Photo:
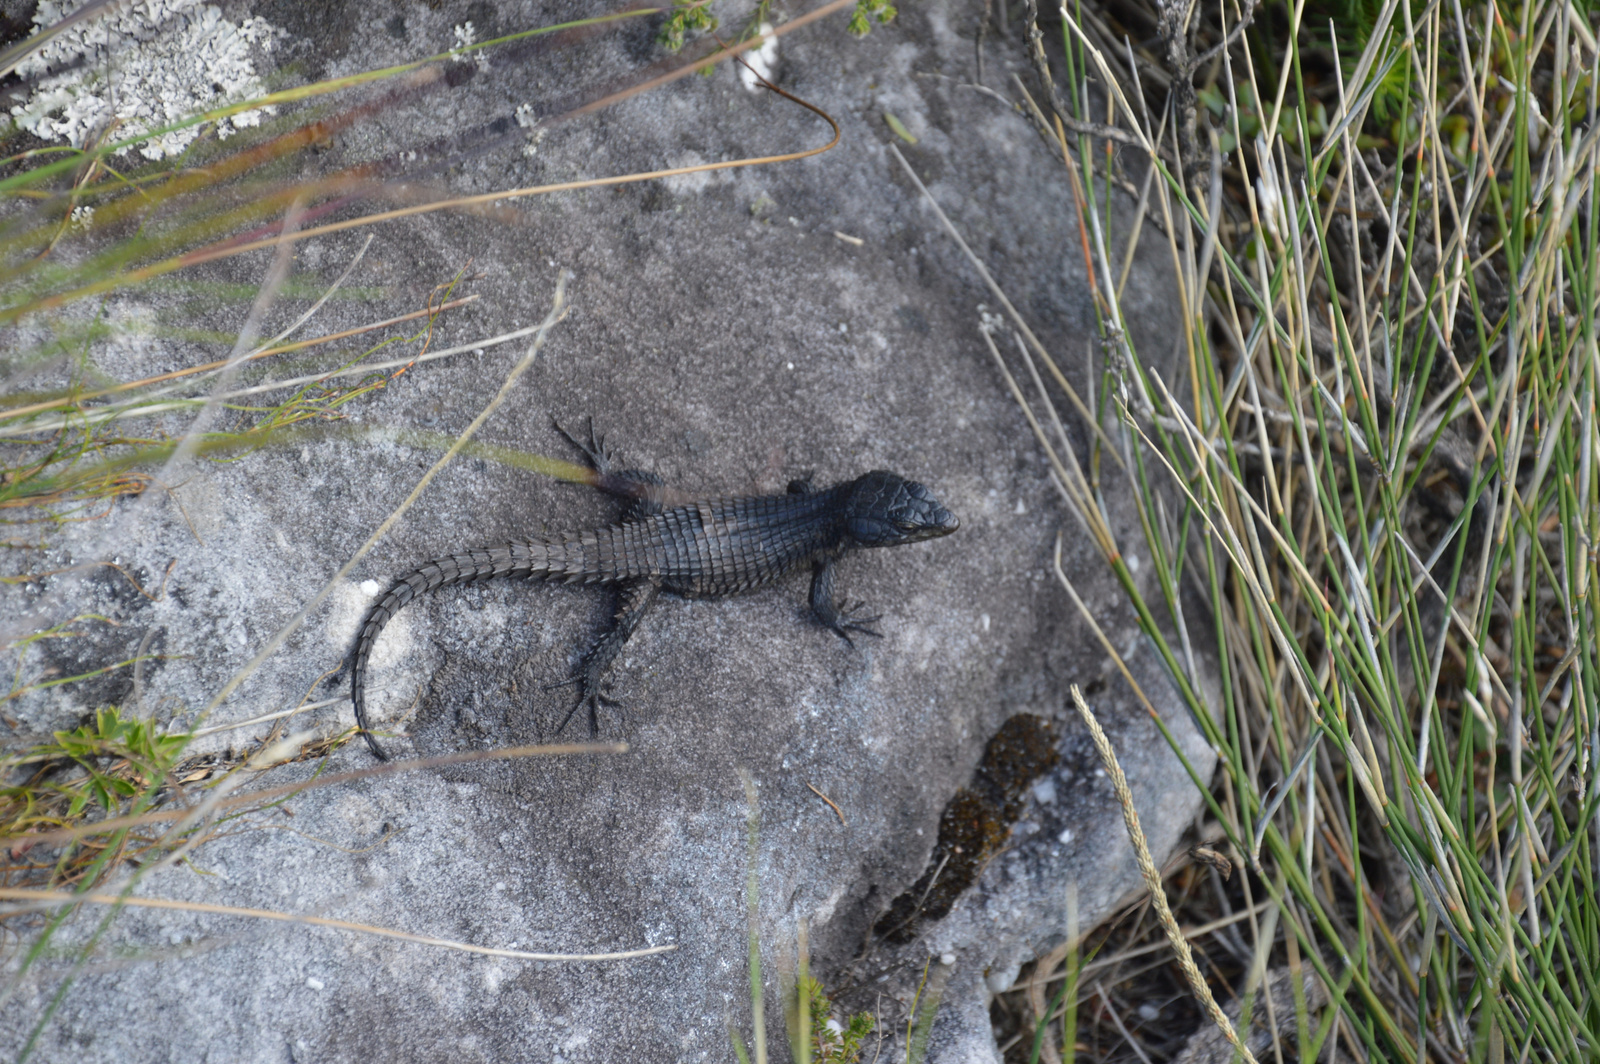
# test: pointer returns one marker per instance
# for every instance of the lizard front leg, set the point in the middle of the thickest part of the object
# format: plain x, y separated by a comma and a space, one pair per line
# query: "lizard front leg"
838, 618
633, 603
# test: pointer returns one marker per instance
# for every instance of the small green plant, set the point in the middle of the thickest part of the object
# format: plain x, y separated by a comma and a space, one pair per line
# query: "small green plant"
869, 11
686, 15
1250, 116
99, 768
117, 754
831, 1041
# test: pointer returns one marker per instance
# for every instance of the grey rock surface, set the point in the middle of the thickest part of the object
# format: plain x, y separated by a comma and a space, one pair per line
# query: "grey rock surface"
724, 336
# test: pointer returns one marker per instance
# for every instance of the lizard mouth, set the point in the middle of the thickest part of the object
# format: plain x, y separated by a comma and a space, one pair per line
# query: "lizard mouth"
939, 522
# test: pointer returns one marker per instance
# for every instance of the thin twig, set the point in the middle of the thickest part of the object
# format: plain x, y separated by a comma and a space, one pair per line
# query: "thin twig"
37, 900
831, 802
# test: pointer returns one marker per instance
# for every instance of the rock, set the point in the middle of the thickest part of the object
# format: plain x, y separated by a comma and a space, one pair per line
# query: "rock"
1269, 1022
729, 330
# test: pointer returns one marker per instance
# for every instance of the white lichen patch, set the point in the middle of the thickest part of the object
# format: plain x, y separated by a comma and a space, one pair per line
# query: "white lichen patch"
759, 63
140, 68
527, 118
466, 35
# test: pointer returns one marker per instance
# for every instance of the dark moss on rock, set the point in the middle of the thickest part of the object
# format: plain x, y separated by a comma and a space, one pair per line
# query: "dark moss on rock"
976, 823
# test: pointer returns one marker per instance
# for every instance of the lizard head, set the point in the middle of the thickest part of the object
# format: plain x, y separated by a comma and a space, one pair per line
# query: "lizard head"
885, 510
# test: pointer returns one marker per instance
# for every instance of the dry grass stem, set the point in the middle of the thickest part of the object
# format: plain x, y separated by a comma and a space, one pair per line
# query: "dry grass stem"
38, 900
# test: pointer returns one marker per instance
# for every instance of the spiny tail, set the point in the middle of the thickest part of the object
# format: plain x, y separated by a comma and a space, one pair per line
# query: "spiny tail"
529, 558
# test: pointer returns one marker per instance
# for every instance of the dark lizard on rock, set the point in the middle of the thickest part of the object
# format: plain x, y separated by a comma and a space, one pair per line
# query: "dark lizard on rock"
708, 549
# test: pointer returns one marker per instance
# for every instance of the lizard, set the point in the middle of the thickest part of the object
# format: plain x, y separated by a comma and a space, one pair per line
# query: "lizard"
710, 548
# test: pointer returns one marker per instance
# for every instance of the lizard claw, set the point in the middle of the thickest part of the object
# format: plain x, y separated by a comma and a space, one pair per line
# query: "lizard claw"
588, 695
595, 450
844, 629
583, 696
845, 623
568, 718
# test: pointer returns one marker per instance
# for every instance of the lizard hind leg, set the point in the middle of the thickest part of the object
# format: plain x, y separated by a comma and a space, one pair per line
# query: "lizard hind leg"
634, 602
634, 485
595, 452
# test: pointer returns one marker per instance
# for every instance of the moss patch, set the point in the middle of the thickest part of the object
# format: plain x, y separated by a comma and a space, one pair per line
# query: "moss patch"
976, 823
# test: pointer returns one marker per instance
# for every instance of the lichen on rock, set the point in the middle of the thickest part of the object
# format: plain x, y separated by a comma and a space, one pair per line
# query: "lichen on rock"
143, 67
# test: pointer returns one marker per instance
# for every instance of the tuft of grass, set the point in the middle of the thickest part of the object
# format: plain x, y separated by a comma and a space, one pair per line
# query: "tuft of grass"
815, 1036
1374, 463
98, 768
116, 765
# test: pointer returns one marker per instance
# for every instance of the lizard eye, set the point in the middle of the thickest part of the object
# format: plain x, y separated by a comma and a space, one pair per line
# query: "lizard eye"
907, 526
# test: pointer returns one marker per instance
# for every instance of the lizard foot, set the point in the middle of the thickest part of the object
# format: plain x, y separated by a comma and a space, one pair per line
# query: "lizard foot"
845, 621
595, 450
588, 695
